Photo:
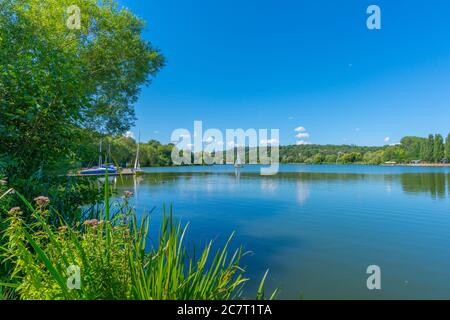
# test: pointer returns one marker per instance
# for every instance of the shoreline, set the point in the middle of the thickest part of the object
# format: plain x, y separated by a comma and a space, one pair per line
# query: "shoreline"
443, 165
418, 165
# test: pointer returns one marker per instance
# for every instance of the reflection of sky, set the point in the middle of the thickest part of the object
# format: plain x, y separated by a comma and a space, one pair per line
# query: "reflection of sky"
389, 187
313, 229
302, 191
268, 185
334, 169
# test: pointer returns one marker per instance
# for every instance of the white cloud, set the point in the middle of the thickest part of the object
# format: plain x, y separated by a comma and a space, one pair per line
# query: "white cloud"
300, 129
303, 135
302, 143
387, 139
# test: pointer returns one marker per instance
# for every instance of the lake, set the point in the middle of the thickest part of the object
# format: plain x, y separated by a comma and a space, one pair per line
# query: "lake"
316, 227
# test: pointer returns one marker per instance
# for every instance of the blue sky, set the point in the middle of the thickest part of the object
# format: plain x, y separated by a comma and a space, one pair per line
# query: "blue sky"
290, 63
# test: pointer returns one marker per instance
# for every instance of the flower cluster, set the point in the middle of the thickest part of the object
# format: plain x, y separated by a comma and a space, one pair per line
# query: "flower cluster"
128, 194
16, 211
93, 223
62, 229
42, 201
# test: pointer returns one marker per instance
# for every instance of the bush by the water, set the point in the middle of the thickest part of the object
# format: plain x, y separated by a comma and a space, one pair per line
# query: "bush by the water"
112, 255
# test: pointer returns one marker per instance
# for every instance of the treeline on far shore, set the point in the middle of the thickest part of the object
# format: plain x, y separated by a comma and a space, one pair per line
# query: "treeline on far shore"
432, 149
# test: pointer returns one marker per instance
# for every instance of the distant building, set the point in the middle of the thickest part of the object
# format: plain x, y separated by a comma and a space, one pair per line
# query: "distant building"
416, 161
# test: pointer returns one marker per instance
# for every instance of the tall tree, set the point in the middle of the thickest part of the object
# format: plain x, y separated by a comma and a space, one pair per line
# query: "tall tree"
438, 150
427, 149
413, 146
55, 80
447, 148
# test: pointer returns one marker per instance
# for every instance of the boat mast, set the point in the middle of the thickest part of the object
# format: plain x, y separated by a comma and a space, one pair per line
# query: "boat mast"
136, 162
108, 156
100, 154
238, 160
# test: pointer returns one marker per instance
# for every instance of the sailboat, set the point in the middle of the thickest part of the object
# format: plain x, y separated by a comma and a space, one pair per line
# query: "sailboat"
137, 166
238, 163
101, 169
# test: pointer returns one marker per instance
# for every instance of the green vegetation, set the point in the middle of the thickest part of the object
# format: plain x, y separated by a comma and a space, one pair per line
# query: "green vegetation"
60, 87
62, 91
431, 150
113, 259
123, 152
316, 154
154, 154
447, 147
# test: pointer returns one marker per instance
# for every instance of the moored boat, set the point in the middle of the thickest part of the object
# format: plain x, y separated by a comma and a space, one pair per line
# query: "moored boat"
137, 170
238, 163
100, 170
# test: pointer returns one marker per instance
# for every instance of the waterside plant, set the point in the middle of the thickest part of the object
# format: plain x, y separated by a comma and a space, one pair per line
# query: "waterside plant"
109, 257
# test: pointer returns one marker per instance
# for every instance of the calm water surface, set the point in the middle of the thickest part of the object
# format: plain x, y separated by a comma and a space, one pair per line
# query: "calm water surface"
317, 228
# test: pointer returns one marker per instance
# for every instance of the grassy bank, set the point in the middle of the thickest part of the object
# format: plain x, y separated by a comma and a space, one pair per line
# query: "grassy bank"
108, 257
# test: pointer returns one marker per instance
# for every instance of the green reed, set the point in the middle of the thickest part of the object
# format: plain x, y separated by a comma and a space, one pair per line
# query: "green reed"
114, 258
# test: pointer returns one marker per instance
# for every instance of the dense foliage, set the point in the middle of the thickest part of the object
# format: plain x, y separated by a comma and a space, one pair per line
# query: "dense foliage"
154, 154
59, 86
123, 150
62, 91
108, 258
427, 150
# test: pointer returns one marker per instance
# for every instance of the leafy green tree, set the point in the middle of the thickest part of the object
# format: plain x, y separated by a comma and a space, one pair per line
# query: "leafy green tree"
438, 150
395, 153
413, 146
55, 81
351, 157
374, 157
318, 158
330, 158
428, 149
447, 148
123, 150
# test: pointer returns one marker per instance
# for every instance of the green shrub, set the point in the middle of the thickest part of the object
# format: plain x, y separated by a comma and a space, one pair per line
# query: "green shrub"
112, 256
